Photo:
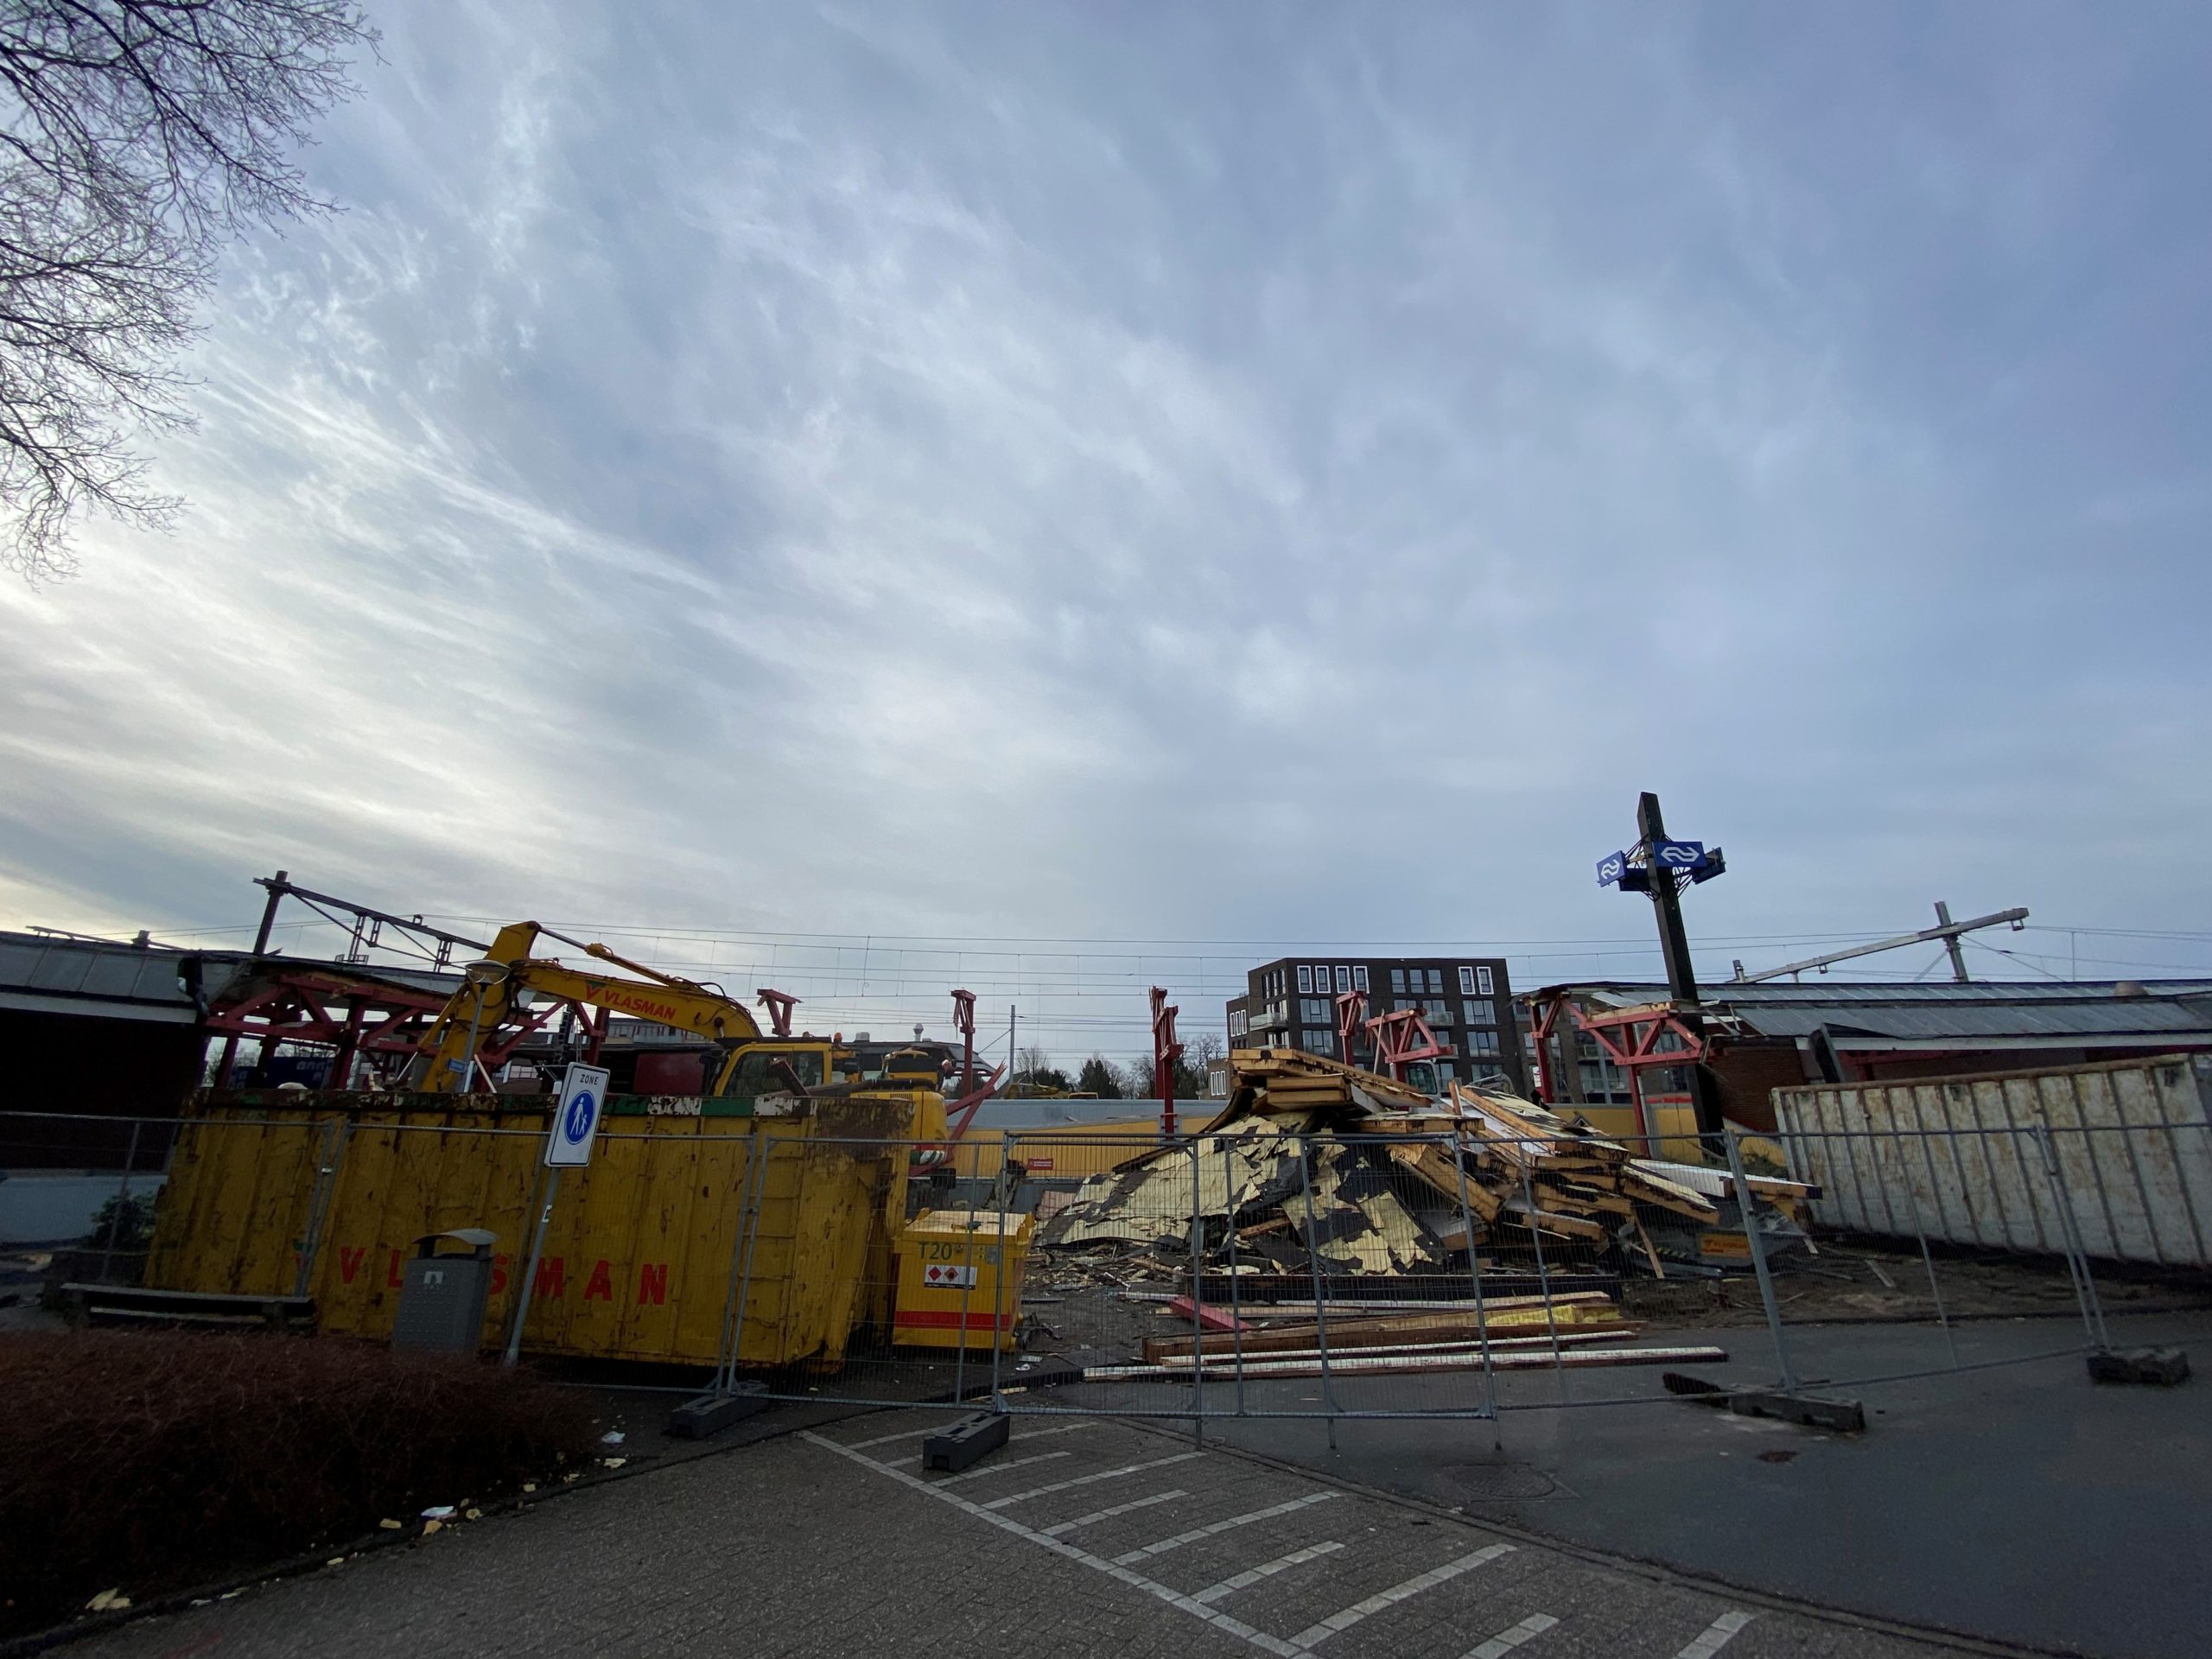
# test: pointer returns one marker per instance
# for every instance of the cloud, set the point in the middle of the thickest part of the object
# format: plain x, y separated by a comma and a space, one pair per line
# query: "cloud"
886, 473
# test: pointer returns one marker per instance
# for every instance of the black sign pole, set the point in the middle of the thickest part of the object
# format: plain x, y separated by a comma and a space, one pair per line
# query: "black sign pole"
1675, 947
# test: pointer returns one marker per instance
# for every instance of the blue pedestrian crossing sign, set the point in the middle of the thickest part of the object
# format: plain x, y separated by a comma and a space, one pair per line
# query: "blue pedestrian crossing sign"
576, 1111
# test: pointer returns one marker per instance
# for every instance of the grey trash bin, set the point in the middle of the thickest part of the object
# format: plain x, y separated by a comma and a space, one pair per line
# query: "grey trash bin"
442, 1297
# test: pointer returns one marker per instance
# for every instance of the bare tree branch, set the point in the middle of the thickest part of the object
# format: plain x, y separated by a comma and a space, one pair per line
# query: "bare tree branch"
138, 138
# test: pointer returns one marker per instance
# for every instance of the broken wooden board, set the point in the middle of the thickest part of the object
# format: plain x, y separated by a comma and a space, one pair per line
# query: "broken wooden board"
1603, 1318
1429, 1165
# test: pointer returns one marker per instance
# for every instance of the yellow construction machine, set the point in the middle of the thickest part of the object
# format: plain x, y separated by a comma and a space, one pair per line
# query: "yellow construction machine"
510, 991
958, 1273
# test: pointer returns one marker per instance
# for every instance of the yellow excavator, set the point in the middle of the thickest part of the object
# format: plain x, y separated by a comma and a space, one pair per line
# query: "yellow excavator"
503, 989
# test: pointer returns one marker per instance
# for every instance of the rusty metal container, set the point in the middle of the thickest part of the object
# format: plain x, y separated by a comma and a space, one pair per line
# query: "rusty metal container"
324, 1195
2118, 1152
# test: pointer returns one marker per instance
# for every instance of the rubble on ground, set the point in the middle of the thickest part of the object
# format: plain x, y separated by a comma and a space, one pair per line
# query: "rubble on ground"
1314, 1168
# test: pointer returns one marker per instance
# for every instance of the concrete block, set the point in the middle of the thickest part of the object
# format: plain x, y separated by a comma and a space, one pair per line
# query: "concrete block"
2157, 1367
966, 1442
1847, 1416
710, 1414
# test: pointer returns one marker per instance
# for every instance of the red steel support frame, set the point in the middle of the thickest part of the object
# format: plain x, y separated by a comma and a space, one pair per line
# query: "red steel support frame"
1166, 1051
1403, 1038
294, 1005
1351, 1015
963, 1021
960, 1111
1630, 1038
779, 1006
383, 1021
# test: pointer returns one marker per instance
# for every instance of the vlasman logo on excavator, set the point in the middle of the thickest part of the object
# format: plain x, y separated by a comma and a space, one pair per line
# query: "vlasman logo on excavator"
614, 996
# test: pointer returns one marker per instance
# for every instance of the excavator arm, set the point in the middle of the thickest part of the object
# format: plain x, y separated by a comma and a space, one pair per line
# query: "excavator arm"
493, 990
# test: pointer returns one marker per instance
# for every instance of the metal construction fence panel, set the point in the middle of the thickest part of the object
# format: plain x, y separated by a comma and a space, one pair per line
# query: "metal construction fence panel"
1268, 1270
84, 1187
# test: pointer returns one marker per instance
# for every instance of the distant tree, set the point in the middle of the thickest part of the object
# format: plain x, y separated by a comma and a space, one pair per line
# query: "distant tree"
1035, 1070
137, 138
1097, 1078
1189, 1080
1136, 1078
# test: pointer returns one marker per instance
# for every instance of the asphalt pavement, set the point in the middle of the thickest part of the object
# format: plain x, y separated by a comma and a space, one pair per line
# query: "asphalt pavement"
2020, 1503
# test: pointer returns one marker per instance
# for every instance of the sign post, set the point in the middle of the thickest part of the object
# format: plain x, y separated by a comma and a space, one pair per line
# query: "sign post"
576, 1112
1662, 866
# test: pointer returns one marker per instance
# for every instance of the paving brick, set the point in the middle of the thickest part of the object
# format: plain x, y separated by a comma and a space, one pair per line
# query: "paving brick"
791, 1546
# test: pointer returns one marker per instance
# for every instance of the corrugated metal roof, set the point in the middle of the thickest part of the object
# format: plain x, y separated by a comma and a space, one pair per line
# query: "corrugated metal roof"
107, 974
90, 969
1985, 1009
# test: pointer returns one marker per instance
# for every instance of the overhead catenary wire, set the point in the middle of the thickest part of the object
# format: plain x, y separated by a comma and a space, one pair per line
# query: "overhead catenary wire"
1083, 991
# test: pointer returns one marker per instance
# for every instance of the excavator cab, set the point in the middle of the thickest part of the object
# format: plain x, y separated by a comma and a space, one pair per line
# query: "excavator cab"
773, 1068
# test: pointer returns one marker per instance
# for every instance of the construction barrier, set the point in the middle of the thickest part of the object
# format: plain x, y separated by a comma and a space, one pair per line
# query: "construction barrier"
1462, 1258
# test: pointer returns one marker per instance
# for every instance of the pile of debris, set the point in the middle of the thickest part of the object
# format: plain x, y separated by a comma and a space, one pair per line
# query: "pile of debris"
1317, 1169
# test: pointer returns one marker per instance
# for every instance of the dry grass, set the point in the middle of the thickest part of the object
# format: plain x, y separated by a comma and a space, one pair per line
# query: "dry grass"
150, 1461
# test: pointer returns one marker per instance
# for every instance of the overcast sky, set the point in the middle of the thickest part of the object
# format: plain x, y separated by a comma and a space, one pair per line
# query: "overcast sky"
1218, 474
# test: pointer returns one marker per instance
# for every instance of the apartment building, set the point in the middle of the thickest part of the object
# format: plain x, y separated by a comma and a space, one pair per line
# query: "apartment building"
1291, 1003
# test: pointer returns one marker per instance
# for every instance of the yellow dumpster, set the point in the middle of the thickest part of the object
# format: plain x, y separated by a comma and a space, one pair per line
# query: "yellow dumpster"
955, 1290
649, 1250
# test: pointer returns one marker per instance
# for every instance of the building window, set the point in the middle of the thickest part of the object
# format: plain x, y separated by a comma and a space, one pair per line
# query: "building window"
1305, 979
1482, 1013
1481, 1042
1344, 979
1482, 982
1359, 977
1439, 1012
1320, 1042
1436, 982
1313, 1011
1398, 979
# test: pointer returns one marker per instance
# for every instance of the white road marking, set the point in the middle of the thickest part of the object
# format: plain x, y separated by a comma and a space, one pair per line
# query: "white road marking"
1032, 1434
1234, 1522
1251, 1576
1505, 1641
1220, 1621
1716, 1636
902, 1435
1097, 1515
1336, 1624
1010, 1464
1087, 1480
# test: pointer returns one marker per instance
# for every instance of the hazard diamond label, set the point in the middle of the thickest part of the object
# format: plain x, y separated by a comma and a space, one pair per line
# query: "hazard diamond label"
945, 1275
